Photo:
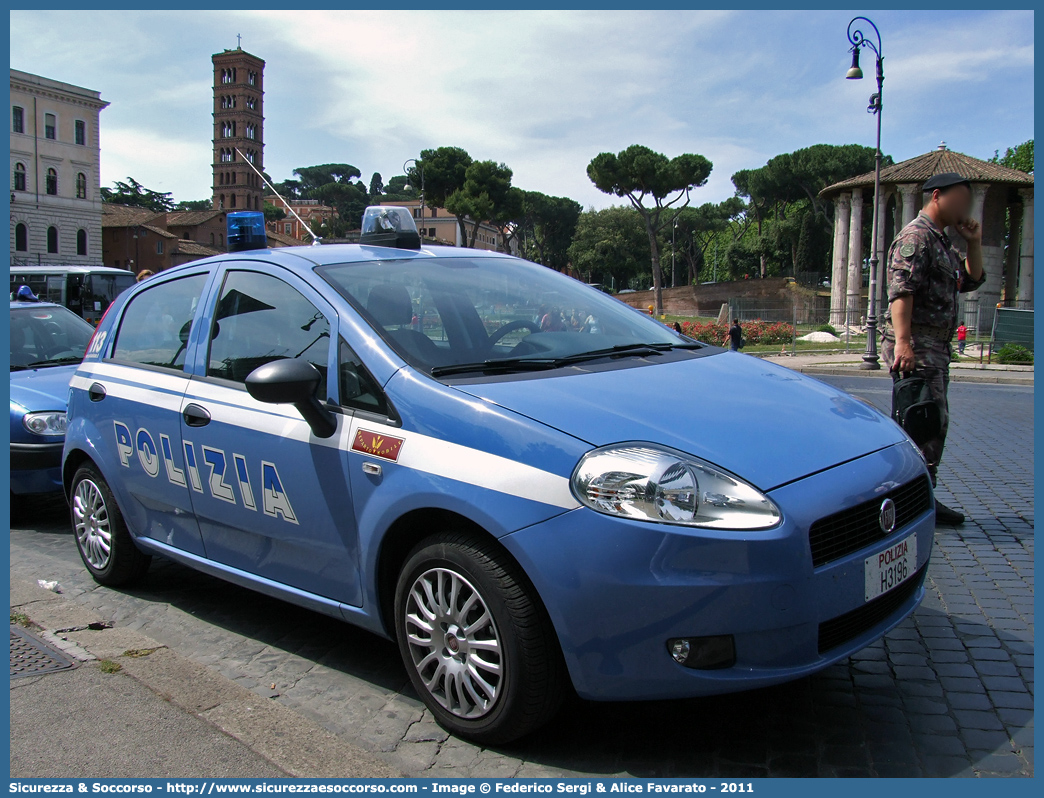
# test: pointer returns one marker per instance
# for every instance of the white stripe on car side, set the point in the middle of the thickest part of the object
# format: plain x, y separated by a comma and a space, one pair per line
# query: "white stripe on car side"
419, 452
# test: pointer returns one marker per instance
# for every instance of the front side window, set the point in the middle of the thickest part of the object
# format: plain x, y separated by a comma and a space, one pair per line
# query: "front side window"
81, 131
19, 177
50, 126
17, 119
52, 181
359, 390
155, 326
259, 318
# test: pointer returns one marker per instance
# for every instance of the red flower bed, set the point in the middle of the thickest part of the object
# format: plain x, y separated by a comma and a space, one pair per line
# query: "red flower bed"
755, 331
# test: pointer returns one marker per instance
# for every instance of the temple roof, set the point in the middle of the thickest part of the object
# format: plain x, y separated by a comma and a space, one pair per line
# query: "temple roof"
919, 169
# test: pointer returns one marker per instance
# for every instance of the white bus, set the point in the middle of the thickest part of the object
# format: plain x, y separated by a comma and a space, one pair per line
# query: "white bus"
85, 290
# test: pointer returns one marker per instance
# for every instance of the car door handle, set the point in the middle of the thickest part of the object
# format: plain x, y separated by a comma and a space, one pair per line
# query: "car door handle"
196, 416
96, 392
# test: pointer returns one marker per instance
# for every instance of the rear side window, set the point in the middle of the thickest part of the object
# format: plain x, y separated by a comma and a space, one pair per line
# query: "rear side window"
259, 319
155, 326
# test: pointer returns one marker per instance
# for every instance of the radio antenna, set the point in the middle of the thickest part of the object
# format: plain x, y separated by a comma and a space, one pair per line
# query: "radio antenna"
316, 240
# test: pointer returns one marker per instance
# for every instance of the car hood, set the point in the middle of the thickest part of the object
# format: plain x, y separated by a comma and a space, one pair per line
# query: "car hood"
765, 423
42, 389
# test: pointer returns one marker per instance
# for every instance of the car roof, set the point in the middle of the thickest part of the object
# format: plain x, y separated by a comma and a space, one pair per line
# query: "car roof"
16, 304
308, 257
69, 269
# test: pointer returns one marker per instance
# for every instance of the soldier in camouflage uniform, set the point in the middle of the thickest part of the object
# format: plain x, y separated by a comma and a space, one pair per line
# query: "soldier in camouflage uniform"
925, 275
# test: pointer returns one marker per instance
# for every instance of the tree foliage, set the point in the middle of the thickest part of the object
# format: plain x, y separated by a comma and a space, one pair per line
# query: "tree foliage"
1018, 157
486, 195
550, 224
444, 171
195, 205
135, 194
652, 183
273, 213
376, 185
610, 247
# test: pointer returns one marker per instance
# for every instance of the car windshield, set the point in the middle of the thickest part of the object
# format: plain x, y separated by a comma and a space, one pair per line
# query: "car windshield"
449, 315
47, 336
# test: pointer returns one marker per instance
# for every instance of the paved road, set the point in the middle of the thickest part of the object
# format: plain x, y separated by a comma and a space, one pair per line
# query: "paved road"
948, 693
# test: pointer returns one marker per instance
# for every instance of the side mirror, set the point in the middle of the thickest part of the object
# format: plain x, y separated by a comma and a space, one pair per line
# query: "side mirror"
293, 382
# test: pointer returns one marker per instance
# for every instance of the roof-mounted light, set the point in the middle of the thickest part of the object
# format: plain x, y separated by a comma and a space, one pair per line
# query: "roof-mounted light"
389, 226
245, 230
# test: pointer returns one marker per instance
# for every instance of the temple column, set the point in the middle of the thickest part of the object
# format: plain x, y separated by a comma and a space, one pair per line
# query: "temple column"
1025, 293
853, 294
839, 270
908, 192
973, 302
1011, 254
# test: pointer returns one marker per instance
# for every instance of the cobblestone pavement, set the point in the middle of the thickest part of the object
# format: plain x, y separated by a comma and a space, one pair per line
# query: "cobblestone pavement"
948, 693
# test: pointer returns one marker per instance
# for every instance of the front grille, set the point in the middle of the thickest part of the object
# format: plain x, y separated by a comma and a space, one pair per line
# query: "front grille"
849, 626
857, 527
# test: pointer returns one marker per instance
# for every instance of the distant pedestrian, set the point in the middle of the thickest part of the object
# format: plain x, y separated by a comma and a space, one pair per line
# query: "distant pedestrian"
734, 338
144, 275
962, 338
678, 328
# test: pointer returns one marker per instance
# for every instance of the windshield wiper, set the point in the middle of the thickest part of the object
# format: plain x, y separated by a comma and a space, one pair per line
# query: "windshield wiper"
541, 364
636, 350
58, 361
494, 366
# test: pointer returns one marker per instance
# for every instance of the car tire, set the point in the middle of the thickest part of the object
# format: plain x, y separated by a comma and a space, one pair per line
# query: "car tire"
491, 681
102, 537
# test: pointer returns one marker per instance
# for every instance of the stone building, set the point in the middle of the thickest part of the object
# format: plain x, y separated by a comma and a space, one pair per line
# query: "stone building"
440, 226
138, 238
1002, 204
56, 206
238, 130
313, 211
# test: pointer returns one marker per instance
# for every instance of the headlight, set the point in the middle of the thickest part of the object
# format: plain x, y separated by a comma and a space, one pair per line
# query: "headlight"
649, 483
51, 423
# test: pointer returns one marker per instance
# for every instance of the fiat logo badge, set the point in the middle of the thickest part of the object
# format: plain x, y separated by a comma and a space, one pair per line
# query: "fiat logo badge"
886, 518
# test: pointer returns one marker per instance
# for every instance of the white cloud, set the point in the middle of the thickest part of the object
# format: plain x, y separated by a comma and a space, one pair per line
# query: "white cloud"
543, 91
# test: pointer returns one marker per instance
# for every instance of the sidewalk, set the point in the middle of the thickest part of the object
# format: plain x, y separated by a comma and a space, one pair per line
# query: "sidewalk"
130, 707
849, 364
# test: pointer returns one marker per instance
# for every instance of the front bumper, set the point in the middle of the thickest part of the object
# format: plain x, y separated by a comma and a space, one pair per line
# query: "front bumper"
36, 467
617, 590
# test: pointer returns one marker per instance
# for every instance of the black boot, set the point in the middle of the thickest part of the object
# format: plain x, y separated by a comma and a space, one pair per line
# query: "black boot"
945, 515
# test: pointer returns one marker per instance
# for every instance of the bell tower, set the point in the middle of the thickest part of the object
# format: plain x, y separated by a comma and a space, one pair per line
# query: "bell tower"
238, 125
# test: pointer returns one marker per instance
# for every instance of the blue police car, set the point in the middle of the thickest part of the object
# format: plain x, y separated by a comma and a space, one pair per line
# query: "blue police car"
47, 344
524, 482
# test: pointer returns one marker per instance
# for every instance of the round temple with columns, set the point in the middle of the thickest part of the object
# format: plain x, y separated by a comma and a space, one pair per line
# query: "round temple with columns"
1002, 204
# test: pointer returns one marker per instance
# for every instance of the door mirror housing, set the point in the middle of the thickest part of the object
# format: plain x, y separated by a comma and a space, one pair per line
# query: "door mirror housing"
293, 382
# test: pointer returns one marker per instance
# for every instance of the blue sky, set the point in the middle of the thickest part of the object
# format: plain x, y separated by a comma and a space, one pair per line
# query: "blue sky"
543, 91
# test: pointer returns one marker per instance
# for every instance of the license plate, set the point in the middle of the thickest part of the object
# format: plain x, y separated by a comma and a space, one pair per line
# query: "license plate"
890, 567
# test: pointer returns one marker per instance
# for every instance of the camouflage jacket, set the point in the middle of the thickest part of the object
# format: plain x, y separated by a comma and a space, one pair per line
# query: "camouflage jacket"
924, 264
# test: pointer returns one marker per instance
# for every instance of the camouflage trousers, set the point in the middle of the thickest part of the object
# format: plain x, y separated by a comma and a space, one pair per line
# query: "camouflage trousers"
932, 364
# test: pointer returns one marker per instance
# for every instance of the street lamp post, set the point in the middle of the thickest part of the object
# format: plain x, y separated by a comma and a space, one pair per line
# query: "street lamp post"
871, 362
420, 169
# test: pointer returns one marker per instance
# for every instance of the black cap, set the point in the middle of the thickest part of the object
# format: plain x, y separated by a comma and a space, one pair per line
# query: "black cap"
945, 180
